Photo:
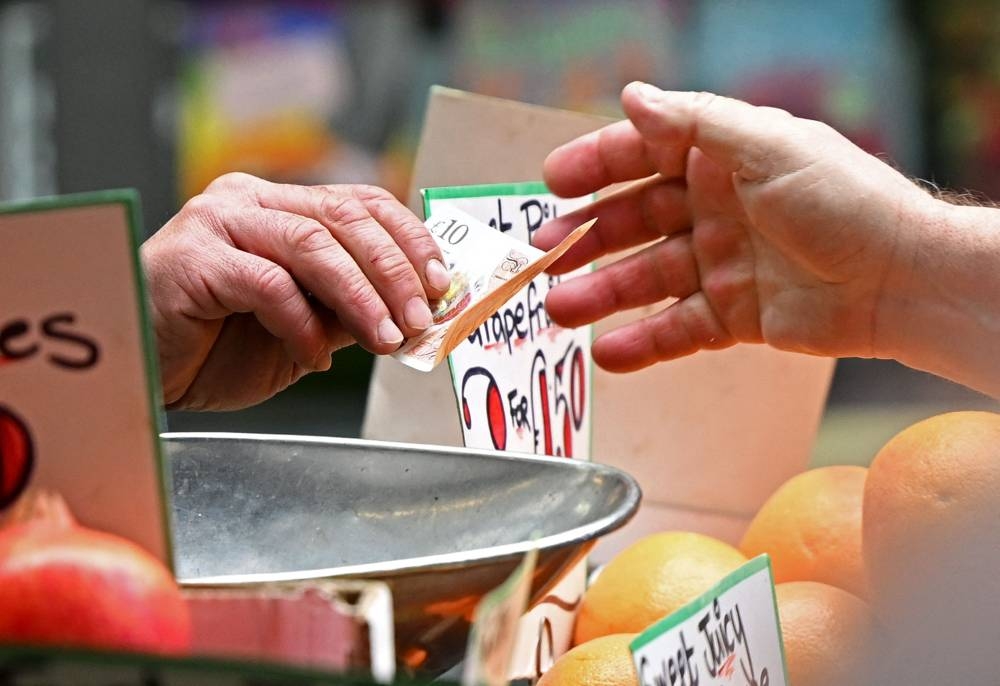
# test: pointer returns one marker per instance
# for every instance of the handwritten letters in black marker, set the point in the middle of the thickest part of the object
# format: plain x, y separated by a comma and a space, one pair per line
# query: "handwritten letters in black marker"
523, 381
57, 337
530, 213
723, 646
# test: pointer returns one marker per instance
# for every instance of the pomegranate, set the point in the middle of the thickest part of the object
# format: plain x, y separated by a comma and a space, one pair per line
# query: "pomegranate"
16, 456
64, 584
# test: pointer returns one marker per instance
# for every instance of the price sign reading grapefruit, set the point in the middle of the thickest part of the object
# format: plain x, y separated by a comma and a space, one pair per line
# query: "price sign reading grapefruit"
521, 382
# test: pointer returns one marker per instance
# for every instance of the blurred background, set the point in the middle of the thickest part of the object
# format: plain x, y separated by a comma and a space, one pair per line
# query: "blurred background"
165, 95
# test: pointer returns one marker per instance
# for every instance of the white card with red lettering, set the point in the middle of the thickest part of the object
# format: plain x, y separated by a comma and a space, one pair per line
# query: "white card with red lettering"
522, 383
79, 390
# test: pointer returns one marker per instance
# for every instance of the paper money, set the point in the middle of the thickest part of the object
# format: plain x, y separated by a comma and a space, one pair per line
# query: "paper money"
487, 268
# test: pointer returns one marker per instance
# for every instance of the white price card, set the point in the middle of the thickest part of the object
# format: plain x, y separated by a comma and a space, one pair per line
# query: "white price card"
79, 387
729, 635
522, 383
487, 269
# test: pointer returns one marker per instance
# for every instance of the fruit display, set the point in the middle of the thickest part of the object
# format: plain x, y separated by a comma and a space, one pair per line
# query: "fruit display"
811, 528
932, 546
603, 661
886, 574
66, 585
829, 634
934, 490
651, 579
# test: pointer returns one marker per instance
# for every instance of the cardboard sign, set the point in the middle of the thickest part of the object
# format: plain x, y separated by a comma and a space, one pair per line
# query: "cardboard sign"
522, 383
494, 628
487, 269
730, 635
79, 389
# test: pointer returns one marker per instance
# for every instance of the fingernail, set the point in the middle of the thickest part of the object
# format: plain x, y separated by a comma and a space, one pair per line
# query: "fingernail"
647, 91
437, 275
417, 314
389, 333
323, 362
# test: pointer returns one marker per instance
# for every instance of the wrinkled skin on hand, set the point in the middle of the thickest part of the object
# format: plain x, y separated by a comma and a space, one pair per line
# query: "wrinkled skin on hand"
255, 284
765, 228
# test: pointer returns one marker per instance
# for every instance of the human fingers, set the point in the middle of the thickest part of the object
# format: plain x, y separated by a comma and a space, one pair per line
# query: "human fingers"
221, 381
409, 233
385, 240
371, 224
683, 328
633, 216
662, 126
615, 153
337, 336
663, 270
376, 246
236, 281
322, 266
758, 143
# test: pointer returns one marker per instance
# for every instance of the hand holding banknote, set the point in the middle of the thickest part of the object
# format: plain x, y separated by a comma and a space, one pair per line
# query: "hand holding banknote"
488, 268
254, 284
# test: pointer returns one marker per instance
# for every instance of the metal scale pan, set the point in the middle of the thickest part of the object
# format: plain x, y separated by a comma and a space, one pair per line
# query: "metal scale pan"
442, 526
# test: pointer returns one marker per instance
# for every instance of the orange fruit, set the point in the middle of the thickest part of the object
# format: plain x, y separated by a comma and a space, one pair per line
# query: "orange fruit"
931, 538
811, 528
605, 661
650, 579
828, 634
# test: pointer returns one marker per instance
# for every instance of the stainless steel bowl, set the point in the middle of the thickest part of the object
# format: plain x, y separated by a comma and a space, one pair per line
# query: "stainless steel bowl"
442, 526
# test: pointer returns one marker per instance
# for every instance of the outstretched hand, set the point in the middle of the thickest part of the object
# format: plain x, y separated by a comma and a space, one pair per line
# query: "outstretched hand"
757, 227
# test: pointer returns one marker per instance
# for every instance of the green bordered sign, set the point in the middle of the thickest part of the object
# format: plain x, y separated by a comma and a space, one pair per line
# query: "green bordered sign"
79, 386
522, 383
730, 635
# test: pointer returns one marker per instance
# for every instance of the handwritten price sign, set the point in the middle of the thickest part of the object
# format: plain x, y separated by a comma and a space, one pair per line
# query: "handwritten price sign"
729, 635
79, 390
522, 383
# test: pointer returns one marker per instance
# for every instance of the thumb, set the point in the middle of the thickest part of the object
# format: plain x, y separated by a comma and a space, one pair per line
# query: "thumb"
755, 142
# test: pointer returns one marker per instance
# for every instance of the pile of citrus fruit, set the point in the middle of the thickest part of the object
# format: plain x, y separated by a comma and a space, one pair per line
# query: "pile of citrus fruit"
884, 575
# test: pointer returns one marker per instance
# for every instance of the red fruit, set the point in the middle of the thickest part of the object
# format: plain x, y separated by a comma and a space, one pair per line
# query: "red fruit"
63, 584
16, 457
